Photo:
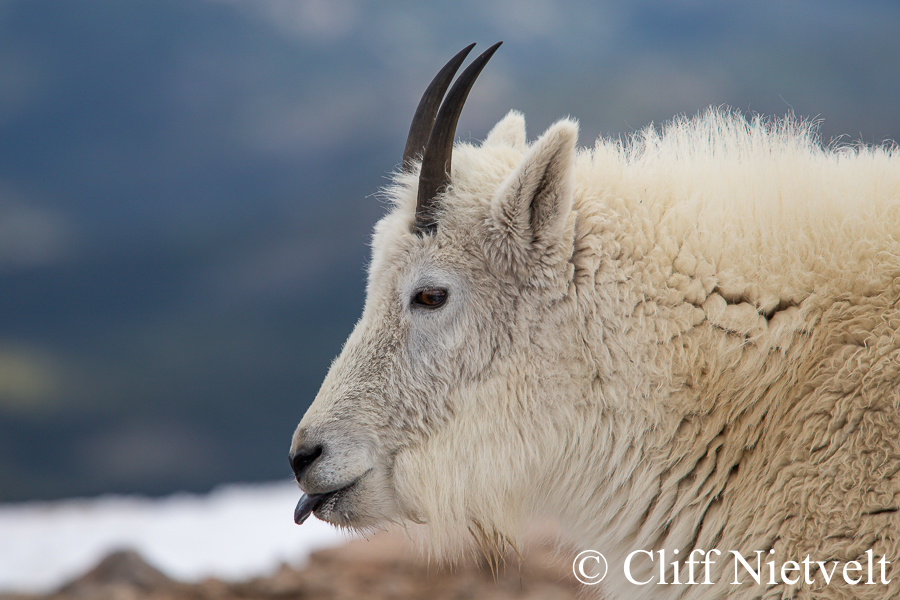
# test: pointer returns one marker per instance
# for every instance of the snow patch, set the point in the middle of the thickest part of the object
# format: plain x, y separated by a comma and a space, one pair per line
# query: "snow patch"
232, 533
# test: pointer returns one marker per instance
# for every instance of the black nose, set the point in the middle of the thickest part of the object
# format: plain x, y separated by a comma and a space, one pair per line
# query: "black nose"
303, 457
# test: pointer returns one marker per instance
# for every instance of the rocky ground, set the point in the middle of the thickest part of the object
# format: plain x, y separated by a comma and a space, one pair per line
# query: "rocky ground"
380, 568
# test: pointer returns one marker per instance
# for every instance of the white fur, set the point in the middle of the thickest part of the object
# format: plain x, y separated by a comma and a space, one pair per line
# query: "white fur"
688, 339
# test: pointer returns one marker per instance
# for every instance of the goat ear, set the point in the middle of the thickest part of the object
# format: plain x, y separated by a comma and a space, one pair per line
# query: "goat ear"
530, 211
509, 131
529, 228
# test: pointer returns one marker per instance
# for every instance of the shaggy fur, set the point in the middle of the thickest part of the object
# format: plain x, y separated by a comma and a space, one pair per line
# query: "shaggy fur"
688, 339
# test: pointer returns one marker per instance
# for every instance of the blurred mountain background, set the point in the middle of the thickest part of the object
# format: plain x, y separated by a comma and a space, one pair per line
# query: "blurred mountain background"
187, 189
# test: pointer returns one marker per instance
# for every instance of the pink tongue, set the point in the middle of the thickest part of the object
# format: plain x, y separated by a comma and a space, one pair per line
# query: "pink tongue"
307, 504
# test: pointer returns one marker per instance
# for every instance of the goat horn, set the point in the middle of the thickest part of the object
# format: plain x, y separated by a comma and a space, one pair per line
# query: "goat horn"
436, 159
423, 120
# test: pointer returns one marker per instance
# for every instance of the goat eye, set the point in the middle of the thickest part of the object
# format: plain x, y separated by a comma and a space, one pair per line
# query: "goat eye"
430, 297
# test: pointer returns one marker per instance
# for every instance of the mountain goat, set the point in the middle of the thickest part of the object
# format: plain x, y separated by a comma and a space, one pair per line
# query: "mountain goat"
681, 344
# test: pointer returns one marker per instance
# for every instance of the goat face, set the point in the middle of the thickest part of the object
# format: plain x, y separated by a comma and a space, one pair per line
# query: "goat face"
428, 391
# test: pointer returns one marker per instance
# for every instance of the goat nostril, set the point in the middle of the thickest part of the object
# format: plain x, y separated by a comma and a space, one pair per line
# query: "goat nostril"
302, 458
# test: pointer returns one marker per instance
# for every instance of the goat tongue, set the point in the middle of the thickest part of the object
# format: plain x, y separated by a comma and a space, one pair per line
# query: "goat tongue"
308, 503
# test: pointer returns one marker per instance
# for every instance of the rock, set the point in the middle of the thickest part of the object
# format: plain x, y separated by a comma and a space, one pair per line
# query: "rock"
123, 568
383, 567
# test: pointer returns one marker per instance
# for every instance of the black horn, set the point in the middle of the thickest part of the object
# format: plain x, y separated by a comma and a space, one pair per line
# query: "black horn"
436, 159
423, 120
